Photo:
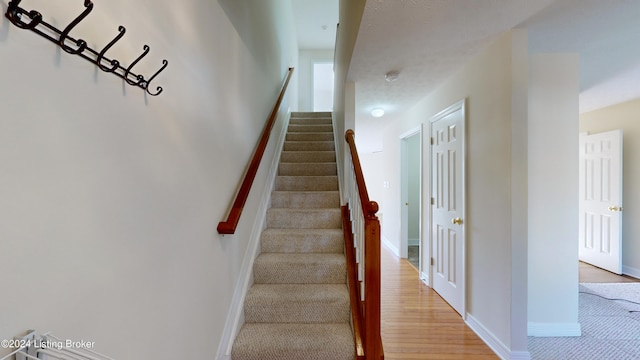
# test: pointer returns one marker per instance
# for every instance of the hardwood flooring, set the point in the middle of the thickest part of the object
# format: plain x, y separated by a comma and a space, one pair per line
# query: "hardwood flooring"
417, 323
592, 274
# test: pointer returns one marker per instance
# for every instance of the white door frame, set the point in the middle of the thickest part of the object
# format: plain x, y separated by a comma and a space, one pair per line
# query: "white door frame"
404, 192
458, 106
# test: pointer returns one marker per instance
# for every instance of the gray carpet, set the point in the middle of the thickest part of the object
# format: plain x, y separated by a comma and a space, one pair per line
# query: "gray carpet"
610, 328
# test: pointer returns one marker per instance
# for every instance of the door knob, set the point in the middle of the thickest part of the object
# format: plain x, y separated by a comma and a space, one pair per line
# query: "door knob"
457, 221
614, 208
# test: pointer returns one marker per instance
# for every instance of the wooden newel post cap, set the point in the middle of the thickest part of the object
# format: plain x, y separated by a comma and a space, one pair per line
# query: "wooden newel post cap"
348, 134
372, 208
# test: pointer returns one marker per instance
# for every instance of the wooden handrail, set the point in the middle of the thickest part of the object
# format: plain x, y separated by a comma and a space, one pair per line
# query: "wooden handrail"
366, 324
370, 208
229, 226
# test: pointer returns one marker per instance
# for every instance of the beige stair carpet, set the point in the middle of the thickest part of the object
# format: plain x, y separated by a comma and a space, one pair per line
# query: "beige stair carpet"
298, 307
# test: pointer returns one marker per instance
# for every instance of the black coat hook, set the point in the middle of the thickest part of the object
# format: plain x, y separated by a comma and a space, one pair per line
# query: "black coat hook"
14, 14
82, 45
139, 78
18, 15
159, 88
114, 63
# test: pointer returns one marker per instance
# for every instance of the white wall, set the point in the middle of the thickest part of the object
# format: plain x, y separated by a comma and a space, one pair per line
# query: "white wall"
110, 198
553, 195
624, 116
489, 172
306, 59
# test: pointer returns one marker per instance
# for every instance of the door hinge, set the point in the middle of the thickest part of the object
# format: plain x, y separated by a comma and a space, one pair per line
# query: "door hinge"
432, 141
433, 261
433, 201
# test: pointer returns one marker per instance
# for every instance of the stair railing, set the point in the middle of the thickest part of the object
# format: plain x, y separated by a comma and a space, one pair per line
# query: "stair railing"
229, 226
362, 249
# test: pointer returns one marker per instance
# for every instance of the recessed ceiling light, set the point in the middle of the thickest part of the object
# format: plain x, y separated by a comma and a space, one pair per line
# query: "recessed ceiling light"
377, 112
392, 76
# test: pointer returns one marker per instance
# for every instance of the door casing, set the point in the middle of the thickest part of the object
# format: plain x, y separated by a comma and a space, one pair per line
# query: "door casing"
459, 106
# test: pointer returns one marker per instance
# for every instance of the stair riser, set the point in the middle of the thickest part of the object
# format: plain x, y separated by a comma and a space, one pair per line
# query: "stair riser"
309, 146
309, 128
308, 156
291, 219
310, 121
329, 245
305, 200
309, 114
291, 272
327, 136
297, 304
307, 169
306, 183
294, 342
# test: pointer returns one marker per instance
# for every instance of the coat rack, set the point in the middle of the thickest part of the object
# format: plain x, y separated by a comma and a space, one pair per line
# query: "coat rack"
17, 16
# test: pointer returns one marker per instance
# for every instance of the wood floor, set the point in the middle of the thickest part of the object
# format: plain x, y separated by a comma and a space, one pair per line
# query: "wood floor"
417, 323
592, 274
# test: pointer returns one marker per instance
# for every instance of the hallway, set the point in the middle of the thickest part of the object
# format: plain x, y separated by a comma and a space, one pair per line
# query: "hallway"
417, 323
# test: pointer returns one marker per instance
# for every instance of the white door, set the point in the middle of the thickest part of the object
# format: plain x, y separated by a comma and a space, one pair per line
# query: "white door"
601, 200
447, 215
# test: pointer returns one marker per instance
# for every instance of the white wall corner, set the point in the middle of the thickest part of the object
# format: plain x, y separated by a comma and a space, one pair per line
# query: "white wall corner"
389, 245
493, 342
235, 317
629, 271
554, 329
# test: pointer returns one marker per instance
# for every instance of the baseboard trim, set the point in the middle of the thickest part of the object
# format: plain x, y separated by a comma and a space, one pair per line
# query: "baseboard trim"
390, 246
425, 279
520, 355
493, 342
413, 242
629, 271
235, 317
554, 329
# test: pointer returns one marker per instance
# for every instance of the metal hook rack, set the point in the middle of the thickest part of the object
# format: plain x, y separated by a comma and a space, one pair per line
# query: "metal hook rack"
18, 16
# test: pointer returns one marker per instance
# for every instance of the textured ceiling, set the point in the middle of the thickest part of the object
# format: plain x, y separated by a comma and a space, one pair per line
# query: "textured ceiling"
428, 40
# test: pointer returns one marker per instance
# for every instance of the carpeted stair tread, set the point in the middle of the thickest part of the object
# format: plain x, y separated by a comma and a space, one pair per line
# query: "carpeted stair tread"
296, 268
311, 114
305, 199
304, 136
298, 307
307, 169
306, 183
304, 218
309, 146
310, 128
308, 156
310, 121
297, 303
294, 342
302, 241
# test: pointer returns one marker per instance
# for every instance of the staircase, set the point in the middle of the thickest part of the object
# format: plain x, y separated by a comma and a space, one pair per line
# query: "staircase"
298, 307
